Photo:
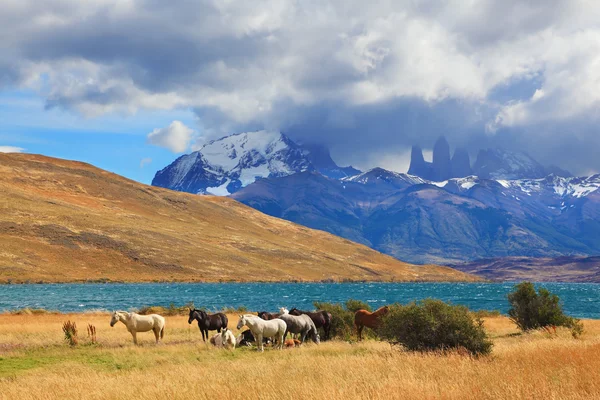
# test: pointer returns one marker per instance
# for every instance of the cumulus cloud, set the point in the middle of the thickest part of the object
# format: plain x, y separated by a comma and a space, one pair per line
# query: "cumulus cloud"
145, 161
286, 64
175, 137
11, 149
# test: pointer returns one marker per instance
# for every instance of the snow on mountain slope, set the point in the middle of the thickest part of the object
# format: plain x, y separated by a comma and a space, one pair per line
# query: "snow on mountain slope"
377, 175
223, 166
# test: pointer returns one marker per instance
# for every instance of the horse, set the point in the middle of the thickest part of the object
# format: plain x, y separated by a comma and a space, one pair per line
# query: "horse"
228, 339
291, 343
364, 318
269, 316
140, 323
322, 319
216, 340
301, 324
260, 329
246, 338
207, 322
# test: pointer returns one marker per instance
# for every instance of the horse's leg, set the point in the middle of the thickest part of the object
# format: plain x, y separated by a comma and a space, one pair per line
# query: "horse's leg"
156, 331
134, 334
359, 332
203, 338
285, 334
304, 333
259, 338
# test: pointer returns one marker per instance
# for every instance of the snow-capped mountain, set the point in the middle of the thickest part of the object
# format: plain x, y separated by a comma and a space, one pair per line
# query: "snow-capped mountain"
224, 166
459, 219
380, 176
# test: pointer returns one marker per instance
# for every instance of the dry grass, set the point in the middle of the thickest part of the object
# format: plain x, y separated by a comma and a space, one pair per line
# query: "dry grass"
36, 364
65, 221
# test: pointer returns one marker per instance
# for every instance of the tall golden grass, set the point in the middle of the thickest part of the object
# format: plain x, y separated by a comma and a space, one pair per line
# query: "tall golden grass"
35, 363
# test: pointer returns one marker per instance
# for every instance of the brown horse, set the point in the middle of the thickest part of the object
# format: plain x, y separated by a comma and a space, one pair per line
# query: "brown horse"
364, 318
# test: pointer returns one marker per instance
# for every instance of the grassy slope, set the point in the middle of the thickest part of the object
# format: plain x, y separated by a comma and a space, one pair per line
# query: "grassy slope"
64, 221
35, 364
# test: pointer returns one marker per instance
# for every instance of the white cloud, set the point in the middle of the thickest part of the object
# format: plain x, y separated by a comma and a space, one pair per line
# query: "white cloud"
243, 60
175, 137
11, 149
145, 161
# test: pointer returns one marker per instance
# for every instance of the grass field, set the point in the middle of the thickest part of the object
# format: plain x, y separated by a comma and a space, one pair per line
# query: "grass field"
35, 363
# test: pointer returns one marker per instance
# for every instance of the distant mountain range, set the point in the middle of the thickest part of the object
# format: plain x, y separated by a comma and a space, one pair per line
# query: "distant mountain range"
505, 204
490, 163
226, 165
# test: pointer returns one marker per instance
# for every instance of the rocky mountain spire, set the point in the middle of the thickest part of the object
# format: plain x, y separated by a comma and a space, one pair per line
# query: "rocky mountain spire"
418, 165
442, 167
461, 164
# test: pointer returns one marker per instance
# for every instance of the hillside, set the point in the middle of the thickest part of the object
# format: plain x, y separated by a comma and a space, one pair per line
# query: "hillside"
65, 221
543, 269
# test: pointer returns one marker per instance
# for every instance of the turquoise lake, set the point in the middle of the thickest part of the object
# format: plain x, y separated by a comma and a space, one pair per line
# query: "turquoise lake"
580, 300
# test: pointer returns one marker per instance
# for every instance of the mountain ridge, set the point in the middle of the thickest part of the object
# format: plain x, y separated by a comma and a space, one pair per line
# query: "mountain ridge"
67, 221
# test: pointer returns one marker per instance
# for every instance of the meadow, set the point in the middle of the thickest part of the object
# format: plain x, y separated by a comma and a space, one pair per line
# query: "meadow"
36, 363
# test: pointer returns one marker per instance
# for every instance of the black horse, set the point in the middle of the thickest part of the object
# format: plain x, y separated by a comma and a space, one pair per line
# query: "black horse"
208, 322
322, 319
248, 339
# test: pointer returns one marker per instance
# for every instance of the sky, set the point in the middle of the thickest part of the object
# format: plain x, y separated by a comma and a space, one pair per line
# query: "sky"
129, 85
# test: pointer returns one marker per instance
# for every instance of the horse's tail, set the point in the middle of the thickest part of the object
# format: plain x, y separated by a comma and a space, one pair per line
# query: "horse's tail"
162, 332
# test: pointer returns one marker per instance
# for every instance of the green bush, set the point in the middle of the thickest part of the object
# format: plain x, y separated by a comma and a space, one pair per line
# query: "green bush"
434, 325
355, 305
542, 309
342, 318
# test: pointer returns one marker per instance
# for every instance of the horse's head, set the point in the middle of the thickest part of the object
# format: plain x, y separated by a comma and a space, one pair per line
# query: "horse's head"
241, 322
114, 319
294, 311
316, 338
263, 315
385, 310
192, 315
283, 310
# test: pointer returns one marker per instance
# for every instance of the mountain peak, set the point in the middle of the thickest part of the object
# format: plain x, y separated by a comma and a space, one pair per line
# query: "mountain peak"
225, 165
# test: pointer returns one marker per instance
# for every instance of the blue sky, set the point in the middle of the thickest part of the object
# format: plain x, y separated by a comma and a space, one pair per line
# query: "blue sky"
115, 82
113, 142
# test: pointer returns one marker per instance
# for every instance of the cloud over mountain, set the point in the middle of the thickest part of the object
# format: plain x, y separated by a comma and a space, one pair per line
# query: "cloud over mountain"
385, 75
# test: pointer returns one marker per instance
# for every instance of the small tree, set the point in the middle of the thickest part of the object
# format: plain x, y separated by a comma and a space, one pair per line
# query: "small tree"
435, 325
542, 309
70, 331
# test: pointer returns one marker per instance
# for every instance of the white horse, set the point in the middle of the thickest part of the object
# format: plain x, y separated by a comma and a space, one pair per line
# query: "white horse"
216, 340
261, 328
228, 339
140, 323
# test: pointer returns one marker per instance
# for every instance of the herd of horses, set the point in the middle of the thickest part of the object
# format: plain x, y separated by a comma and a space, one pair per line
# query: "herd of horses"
263, 328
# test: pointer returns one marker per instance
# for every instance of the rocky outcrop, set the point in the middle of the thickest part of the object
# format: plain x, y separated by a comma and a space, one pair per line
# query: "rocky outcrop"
418, 165
461, 164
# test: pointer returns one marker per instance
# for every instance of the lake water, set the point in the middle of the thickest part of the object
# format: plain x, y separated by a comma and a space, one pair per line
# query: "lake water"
580, 300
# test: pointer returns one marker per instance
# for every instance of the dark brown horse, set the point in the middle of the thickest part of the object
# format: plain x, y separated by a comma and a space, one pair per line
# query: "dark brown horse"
371, 320
267, 315
207, 322
322, 319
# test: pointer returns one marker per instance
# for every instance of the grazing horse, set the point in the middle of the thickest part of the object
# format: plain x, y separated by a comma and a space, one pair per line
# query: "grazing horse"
228, 339
364, 318
207, 322
269, 316
301, 324
260, 329
322, 319
140, 323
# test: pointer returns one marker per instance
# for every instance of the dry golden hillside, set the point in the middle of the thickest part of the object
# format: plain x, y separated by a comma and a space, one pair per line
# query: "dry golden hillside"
65, 221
